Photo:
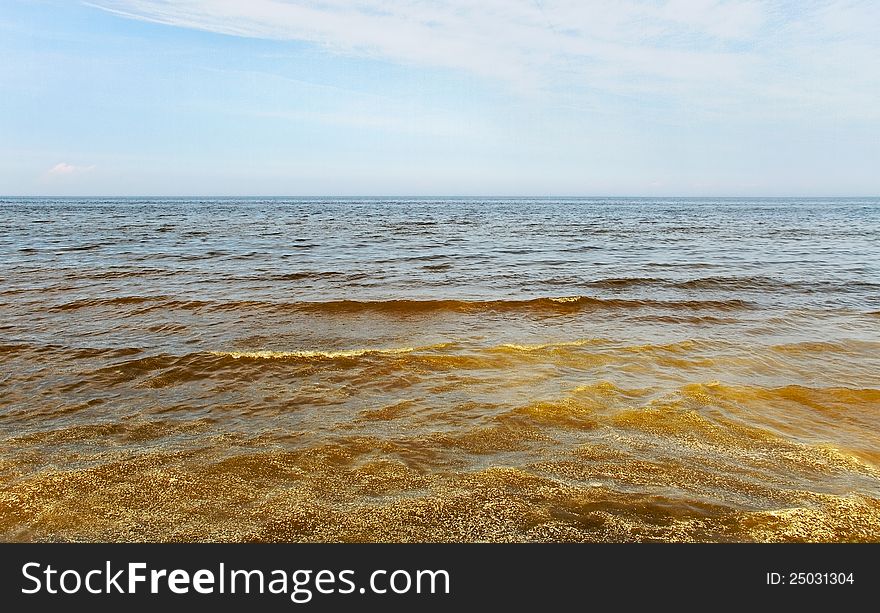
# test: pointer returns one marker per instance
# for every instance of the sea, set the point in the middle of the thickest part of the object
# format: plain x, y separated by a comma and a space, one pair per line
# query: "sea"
438, 370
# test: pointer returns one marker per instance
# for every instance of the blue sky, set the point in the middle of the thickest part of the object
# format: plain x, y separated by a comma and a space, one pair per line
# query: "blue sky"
448, 97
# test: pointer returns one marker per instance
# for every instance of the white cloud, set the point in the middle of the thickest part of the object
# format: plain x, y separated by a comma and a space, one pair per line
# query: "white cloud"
63, 168
731, 55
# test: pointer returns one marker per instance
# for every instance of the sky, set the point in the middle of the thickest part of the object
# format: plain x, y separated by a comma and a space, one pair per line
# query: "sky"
439, 98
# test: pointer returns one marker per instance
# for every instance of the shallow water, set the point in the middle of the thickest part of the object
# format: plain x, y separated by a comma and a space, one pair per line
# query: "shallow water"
440, 370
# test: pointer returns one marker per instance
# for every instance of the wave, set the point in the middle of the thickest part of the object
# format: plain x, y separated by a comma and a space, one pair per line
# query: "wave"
848, 346
456, 352
124, 274
84, 303
199, 364
166, 369
309, 274
733, 283
312, 355
821, 399
625, 282
549, 304
465, 354
687, 319
557, 345
559, 304
13, 348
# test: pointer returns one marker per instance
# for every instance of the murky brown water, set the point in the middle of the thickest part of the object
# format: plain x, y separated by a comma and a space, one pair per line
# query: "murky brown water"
440, 370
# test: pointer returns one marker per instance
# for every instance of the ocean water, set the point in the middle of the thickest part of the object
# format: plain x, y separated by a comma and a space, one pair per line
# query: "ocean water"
440, 370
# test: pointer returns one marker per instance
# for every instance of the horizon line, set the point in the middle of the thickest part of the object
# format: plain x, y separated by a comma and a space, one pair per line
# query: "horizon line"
424, 197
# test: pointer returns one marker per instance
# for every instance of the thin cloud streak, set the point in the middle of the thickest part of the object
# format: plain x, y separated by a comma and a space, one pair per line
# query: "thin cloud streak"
734, 56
